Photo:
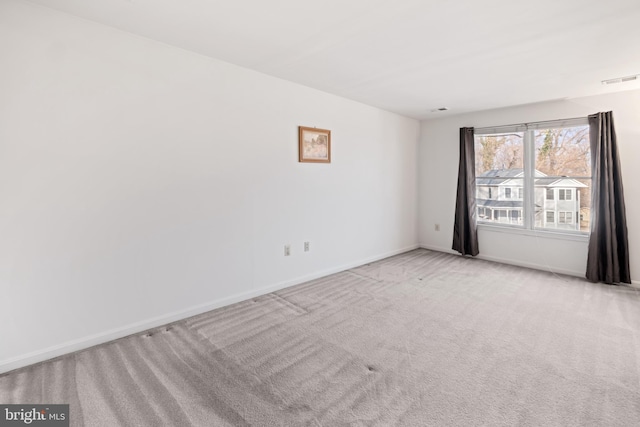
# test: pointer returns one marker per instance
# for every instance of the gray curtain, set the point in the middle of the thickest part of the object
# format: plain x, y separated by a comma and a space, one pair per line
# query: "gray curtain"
465, 233
608, 259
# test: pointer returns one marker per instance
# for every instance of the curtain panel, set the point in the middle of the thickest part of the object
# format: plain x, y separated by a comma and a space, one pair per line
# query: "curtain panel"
465, 230
608, 258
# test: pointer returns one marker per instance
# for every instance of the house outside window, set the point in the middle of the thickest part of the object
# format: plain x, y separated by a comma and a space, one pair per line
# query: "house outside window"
542, 173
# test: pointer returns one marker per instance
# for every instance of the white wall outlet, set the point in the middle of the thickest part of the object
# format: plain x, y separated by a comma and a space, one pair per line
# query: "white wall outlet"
437, 227
287, 250
307, 245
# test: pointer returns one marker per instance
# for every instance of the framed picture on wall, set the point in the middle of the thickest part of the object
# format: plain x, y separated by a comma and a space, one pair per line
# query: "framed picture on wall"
314, 145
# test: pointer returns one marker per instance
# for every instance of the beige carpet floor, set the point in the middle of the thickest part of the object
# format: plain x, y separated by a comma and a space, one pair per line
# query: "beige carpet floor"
419, 339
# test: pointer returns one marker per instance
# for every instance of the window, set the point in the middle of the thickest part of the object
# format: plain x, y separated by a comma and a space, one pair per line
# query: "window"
545, 170
550, 194
565, 217
564, 194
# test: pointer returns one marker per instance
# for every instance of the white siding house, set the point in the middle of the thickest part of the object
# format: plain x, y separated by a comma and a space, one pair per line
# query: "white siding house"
500, 195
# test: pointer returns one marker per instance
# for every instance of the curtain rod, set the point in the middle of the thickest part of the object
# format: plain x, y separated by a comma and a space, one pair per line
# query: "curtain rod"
530, 123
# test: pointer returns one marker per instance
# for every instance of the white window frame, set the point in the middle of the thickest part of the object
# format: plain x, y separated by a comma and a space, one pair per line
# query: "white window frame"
528, 223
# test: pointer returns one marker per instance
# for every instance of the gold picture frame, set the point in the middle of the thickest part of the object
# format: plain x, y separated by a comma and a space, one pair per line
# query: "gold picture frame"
314, 145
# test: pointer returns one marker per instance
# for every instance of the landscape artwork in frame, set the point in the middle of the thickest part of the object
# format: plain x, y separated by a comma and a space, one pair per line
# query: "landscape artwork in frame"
314, 145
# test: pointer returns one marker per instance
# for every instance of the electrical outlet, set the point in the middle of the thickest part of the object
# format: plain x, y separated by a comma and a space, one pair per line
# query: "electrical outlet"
437, 227
287, 250
306, 246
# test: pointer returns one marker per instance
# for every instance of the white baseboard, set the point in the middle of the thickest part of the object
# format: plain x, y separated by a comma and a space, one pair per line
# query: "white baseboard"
533, 266
634, 283
134, 328
439, 249
511, 262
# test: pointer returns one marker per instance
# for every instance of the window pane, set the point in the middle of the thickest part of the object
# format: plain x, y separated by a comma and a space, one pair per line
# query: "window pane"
563, 151
500, 178
561, 155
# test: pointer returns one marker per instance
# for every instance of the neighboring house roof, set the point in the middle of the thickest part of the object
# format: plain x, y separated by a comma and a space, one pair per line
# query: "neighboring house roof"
485, 203
498, 176
495, 177
492, 203
559, 182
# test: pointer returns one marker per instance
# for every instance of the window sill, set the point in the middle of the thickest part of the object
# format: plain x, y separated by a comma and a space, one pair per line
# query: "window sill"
577, 236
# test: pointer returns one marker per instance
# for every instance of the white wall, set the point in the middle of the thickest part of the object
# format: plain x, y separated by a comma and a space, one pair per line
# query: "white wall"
438, 170
140, 183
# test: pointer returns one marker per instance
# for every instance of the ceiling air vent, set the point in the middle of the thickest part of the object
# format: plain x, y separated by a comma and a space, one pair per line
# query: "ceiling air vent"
440, 109
621, 80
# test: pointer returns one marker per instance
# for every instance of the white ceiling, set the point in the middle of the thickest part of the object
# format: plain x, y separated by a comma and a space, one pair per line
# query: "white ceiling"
406, 56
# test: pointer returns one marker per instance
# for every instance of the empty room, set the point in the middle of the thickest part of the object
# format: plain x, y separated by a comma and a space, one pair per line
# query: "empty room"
336, 213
